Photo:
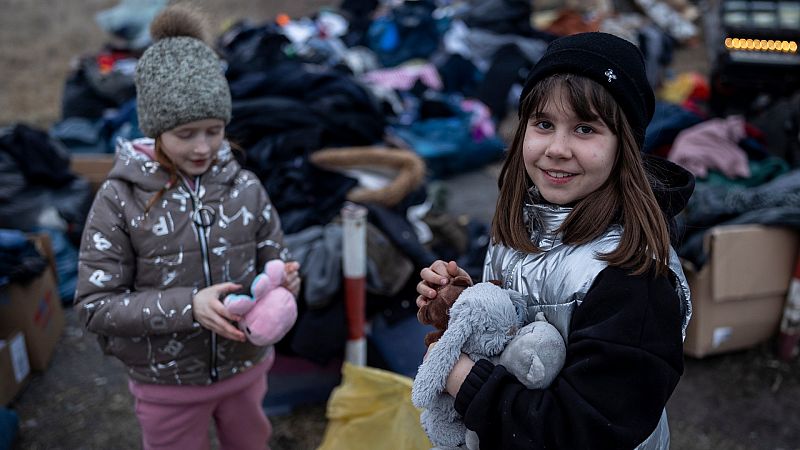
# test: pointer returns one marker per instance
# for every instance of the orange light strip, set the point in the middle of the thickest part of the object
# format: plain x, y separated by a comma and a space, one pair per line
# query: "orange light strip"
762, 45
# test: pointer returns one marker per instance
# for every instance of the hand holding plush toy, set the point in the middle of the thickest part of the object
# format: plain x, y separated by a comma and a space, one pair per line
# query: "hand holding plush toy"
535, 356
437, 311
269, 314
482, 321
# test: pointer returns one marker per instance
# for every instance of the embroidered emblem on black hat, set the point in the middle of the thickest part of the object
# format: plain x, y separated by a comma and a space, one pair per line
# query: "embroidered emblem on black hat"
614, 62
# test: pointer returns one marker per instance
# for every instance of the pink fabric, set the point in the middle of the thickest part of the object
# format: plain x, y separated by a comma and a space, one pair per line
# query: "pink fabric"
404, 77
713, 144
188, 180
177, 417
271, 312
150, 151
146, 149
481, 123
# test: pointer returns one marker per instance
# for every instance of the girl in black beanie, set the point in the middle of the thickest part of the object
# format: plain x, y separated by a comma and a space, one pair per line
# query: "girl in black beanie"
580, 231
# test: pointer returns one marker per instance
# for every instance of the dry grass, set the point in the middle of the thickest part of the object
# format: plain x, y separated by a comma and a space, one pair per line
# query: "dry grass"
39, 38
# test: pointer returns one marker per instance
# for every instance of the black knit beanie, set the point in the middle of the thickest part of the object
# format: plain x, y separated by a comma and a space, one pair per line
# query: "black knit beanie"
613, 62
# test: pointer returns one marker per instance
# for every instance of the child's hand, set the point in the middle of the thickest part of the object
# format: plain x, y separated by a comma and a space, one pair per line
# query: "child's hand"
211, 313
457, 374
292, 280
428, 351
438, 274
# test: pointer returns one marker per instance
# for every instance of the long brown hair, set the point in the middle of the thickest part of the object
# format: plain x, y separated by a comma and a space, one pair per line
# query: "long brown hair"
625, 198
167, 164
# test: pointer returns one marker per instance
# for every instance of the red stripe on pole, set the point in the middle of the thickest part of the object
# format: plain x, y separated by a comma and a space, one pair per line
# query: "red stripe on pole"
355, 304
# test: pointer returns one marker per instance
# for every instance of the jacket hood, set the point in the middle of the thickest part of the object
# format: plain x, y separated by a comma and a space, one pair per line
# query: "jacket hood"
134, 164
671, 183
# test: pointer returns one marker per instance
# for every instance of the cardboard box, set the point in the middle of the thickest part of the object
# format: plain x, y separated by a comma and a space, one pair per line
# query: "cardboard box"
14, 366
738, 296
93, 167
35, 309
45, 248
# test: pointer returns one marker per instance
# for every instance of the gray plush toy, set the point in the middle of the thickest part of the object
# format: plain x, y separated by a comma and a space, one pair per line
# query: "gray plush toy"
484, 323
535, 356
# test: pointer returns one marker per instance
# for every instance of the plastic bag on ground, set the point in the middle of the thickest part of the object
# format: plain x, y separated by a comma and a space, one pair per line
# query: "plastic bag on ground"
372, 409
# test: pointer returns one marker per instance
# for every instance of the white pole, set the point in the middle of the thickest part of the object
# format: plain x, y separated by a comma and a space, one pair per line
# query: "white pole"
789, 334
354, 268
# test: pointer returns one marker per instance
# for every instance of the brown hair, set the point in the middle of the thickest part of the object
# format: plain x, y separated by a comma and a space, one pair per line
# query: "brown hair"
625, 198
167, 164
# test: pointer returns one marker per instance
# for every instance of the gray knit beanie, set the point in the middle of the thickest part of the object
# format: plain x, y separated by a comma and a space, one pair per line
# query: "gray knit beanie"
179, 79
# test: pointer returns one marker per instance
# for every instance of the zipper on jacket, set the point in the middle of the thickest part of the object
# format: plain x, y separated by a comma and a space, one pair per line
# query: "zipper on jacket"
199, 214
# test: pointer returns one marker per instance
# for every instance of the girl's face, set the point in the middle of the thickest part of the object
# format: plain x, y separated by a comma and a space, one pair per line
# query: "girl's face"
567, 158
193, 146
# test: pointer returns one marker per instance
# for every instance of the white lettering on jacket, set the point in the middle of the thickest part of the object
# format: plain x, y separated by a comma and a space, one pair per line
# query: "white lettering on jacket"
168, 278
160, 229
182, 197
244, 213
98, 277
266, 213
100, 242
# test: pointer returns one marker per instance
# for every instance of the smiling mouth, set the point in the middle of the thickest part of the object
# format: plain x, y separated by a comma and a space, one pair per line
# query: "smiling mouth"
558, 174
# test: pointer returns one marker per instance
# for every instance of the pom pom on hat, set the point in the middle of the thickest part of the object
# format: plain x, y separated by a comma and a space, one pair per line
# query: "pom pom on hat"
179, 79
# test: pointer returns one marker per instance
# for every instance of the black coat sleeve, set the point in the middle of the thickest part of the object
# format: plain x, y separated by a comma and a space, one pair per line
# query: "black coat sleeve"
624, 359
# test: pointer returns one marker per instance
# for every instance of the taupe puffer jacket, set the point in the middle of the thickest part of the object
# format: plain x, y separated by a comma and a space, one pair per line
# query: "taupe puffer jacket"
138, 271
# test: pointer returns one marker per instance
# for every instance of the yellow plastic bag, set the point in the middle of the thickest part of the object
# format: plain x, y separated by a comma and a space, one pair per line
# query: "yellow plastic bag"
372, 410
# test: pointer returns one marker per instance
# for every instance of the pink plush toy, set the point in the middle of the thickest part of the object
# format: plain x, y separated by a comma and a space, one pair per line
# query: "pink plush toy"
269, 314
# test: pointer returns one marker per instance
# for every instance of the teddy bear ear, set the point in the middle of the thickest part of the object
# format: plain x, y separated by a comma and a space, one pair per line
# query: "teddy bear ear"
461, 280
537, 375
425, 314
422, 314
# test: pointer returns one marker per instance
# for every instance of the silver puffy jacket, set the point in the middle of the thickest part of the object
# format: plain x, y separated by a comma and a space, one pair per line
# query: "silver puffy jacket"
556, 281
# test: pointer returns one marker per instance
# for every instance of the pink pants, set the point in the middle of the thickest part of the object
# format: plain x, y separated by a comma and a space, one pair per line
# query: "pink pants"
178, 417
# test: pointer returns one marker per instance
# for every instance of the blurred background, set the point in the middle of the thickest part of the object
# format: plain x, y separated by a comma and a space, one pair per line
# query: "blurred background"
322, 90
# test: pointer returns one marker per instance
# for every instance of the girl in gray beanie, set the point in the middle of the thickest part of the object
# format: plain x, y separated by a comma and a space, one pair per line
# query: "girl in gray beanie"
177, 226
580, 234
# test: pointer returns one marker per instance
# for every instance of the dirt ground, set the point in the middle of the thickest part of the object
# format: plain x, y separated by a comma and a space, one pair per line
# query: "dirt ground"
744, 400
82, 402
39, 39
